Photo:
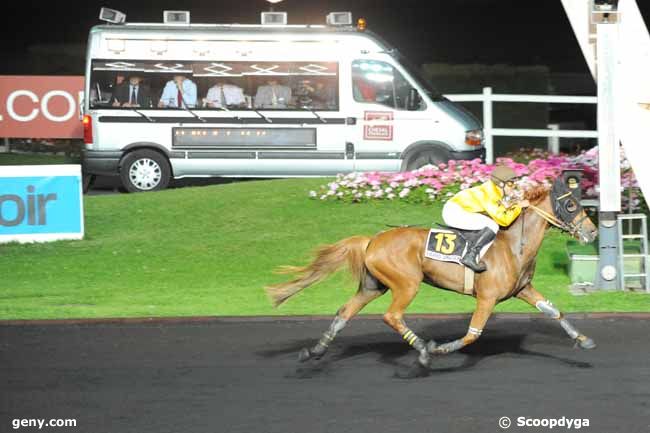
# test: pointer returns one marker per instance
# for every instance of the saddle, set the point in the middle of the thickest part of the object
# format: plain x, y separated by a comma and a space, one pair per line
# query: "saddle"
449, 244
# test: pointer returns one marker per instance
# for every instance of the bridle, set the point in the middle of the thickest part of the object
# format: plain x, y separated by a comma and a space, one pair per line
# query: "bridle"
572, 227
562, 209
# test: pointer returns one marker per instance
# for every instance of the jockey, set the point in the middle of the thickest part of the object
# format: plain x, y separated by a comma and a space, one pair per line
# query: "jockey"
484, 207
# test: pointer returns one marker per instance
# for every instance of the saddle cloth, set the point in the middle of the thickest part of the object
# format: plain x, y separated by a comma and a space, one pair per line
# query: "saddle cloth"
449, 244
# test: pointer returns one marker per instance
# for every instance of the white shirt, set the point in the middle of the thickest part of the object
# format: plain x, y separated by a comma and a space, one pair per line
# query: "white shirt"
131, 89
169, 97
228, 93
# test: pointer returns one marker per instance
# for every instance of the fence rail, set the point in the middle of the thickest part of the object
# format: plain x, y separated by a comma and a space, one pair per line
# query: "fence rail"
488, 99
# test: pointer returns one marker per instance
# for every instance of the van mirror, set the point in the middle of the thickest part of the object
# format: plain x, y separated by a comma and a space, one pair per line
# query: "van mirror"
413, 101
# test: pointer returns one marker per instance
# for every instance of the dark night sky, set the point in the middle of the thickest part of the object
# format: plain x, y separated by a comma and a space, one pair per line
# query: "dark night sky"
518, 32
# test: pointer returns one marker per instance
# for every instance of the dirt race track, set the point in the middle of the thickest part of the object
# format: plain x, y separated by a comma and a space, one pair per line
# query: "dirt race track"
235, 375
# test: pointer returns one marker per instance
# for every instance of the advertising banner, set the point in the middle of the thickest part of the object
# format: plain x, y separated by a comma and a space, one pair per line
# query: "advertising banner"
35, 106
40, 203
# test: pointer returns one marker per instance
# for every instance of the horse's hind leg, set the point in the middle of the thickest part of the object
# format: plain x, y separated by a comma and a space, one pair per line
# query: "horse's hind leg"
369, 289
394, 317
534, 298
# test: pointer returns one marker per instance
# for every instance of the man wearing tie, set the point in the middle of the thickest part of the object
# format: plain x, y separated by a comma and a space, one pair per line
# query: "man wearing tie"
225, 95
132, 94
273, 95
178, 93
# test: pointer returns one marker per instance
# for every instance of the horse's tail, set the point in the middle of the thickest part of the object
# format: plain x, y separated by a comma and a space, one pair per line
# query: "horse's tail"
329, 259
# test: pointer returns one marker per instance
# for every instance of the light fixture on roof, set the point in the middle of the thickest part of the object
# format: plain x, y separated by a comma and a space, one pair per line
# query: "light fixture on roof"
339, 19
112, 16
274, 18
176, 17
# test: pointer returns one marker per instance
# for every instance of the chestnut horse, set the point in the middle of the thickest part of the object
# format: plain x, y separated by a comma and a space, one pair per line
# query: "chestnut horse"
394, 259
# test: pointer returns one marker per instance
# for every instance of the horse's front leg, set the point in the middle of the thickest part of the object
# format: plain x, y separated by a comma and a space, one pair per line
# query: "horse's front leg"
534, 298
484, 308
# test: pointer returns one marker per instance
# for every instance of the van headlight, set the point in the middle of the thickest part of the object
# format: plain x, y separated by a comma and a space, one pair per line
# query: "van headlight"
474, 137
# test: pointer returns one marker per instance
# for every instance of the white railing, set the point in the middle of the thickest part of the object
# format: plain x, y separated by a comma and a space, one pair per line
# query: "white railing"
488, 98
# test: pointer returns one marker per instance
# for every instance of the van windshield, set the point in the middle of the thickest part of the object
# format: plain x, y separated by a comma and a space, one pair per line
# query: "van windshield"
417, 75
214, 85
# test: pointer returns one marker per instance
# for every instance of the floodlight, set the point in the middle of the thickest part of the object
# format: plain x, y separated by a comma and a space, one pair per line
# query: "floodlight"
274, 18
605, 5
604, 11
176, 17
112, 16
339, 19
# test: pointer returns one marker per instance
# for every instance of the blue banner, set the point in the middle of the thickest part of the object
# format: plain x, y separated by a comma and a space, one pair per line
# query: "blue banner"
40, 207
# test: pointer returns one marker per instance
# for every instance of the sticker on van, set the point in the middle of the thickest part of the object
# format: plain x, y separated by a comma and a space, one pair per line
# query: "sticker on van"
375, 131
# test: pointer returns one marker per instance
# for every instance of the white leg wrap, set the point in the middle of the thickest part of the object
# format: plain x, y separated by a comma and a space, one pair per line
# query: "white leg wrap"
548, 309
569, 329
475, 331
337, 325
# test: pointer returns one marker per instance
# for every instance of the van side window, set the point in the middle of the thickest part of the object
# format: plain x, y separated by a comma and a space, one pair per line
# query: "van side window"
215, 85
378, 82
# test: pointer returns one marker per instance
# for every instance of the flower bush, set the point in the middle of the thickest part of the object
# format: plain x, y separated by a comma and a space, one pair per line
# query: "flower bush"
438, 182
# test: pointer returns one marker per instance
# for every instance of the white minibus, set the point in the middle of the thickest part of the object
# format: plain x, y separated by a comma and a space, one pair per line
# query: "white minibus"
177, 99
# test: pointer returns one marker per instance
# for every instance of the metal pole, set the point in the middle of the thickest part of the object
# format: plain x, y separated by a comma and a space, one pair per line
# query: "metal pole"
7, 146
487, 125
609, 169
553, 145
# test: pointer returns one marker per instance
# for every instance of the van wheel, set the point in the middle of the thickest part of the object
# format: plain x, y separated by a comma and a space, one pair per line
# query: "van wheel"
145, 170
424, 157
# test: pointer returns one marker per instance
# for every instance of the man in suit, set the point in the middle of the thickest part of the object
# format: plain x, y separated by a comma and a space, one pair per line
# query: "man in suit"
273, 95
132, 94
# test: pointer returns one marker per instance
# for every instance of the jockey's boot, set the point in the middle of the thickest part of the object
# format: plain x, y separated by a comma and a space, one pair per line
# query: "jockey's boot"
471, 258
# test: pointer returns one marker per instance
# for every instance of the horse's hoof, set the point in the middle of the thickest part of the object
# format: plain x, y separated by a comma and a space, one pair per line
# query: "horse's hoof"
431, 346
304, 354
585, 342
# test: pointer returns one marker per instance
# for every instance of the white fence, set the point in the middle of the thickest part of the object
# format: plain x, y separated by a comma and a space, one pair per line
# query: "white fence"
488, 98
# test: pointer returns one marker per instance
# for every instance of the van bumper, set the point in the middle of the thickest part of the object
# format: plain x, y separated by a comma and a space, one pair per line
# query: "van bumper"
102, 163
468, 155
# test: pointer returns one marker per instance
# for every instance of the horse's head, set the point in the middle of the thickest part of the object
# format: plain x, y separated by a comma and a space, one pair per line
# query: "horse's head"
568, 210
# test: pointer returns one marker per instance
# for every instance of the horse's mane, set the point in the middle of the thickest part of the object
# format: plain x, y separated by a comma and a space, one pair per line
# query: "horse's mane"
536, 193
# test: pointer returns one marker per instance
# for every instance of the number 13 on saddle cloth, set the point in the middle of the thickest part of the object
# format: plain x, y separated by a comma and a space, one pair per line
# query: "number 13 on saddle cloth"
445, 245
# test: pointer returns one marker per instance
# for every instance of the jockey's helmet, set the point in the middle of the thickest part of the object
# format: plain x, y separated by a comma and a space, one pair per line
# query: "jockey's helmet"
503, 174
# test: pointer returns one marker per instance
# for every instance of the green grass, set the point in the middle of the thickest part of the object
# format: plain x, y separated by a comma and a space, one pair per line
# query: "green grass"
210, 251
34, 159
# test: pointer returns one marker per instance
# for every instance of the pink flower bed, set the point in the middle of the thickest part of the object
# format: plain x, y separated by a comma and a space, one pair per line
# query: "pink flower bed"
432, 183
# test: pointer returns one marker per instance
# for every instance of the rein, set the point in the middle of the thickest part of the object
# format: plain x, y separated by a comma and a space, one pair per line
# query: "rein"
551, 219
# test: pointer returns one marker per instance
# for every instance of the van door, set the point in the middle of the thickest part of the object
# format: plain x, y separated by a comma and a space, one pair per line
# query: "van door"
384, 127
